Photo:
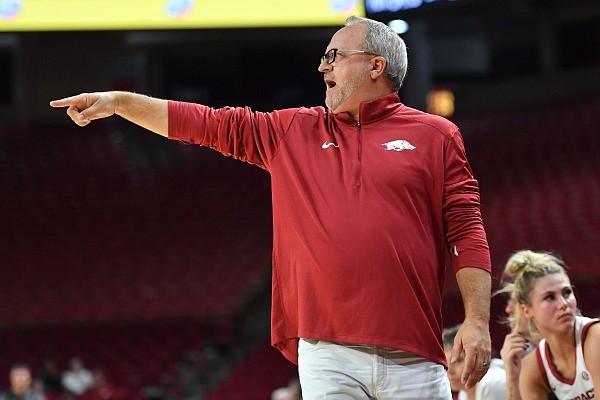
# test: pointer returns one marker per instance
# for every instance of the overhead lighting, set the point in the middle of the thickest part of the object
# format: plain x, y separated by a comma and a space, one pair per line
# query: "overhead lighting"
440, 102
399, 26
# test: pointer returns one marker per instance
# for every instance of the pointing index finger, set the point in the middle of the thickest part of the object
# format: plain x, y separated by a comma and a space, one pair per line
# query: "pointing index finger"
65, 102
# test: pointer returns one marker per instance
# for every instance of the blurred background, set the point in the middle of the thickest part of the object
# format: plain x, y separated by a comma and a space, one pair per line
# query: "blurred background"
150, 260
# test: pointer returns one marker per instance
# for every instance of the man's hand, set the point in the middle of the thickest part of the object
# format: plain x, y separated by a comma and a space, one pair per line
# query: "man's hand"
147, 112
86, 107
474, 340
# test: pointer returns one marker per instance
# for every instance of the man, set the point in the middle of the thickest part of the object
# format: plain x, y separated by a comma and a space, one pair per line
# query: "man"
291, 392
20, 385
491, 386
367, 196
77, 379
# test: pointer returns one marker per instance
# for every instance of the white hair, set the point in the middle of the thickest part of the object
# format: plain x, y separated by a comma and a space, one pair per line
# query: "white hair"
382, 40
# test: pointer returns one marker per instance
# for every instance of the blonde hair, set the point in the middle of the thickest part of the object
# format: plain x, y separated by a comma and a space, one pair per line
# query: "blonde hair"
521, 272
525, 267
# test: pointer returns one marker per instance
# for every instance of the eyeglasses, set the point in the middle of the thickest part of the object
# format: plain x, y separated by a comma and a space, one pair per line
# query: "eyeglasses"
329, 57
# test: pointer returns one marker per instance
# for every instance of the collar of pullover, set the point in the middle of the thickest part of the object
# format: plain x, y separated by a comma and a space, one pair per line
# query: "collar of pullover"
371, 111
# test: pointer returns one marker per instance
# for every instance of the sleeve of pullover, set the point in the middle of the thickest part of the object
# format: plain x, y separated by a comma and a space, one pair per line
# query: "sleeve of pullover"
465, 235
241, 133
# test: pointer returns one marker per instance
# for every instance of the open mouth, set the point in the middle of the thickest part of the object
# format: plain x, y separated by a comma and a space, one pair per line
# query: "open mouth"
330, 83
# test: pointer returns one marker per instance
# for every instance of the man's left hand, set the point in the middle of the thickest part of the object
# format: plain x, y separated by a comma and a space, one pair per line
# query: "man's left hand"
474, 339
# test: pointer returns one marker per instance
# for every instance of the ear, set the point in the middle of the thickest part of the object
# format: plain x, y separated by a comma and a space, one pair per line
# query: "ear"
526, 311
378, 65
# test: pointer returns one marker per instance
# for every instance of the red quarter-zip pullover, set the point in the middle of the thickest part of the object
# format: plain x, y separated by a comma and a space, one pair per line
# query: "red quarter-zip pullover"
362, 212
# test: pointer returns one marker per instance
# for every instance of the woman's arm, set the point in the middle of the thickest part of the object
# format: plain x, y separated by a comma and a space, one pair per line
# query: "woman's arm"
531, 382
591, 353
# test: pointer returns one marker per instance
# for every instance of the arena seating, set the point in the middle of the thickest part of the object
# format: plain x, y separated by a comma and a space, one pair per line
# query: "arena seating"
132, 355
92, 236
104, 245
259, 374
539, 171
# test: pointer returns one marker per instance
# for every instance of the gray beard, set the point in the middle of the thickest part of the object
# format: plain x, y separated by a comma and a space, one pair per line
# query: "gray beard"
342, 94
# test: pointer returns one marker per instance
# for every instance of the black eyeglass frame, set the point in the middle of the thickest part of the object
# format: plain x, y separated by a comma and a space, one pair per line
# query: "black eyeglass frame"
331, 54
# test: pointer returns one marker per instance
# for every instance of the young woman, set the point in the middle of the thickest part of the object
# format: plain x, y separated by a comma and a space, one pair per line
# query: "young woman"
567, 359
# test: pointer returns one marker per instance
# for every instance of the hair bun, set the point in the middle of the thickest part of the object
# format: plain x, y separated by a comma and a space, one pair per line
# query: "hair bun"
521, 261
